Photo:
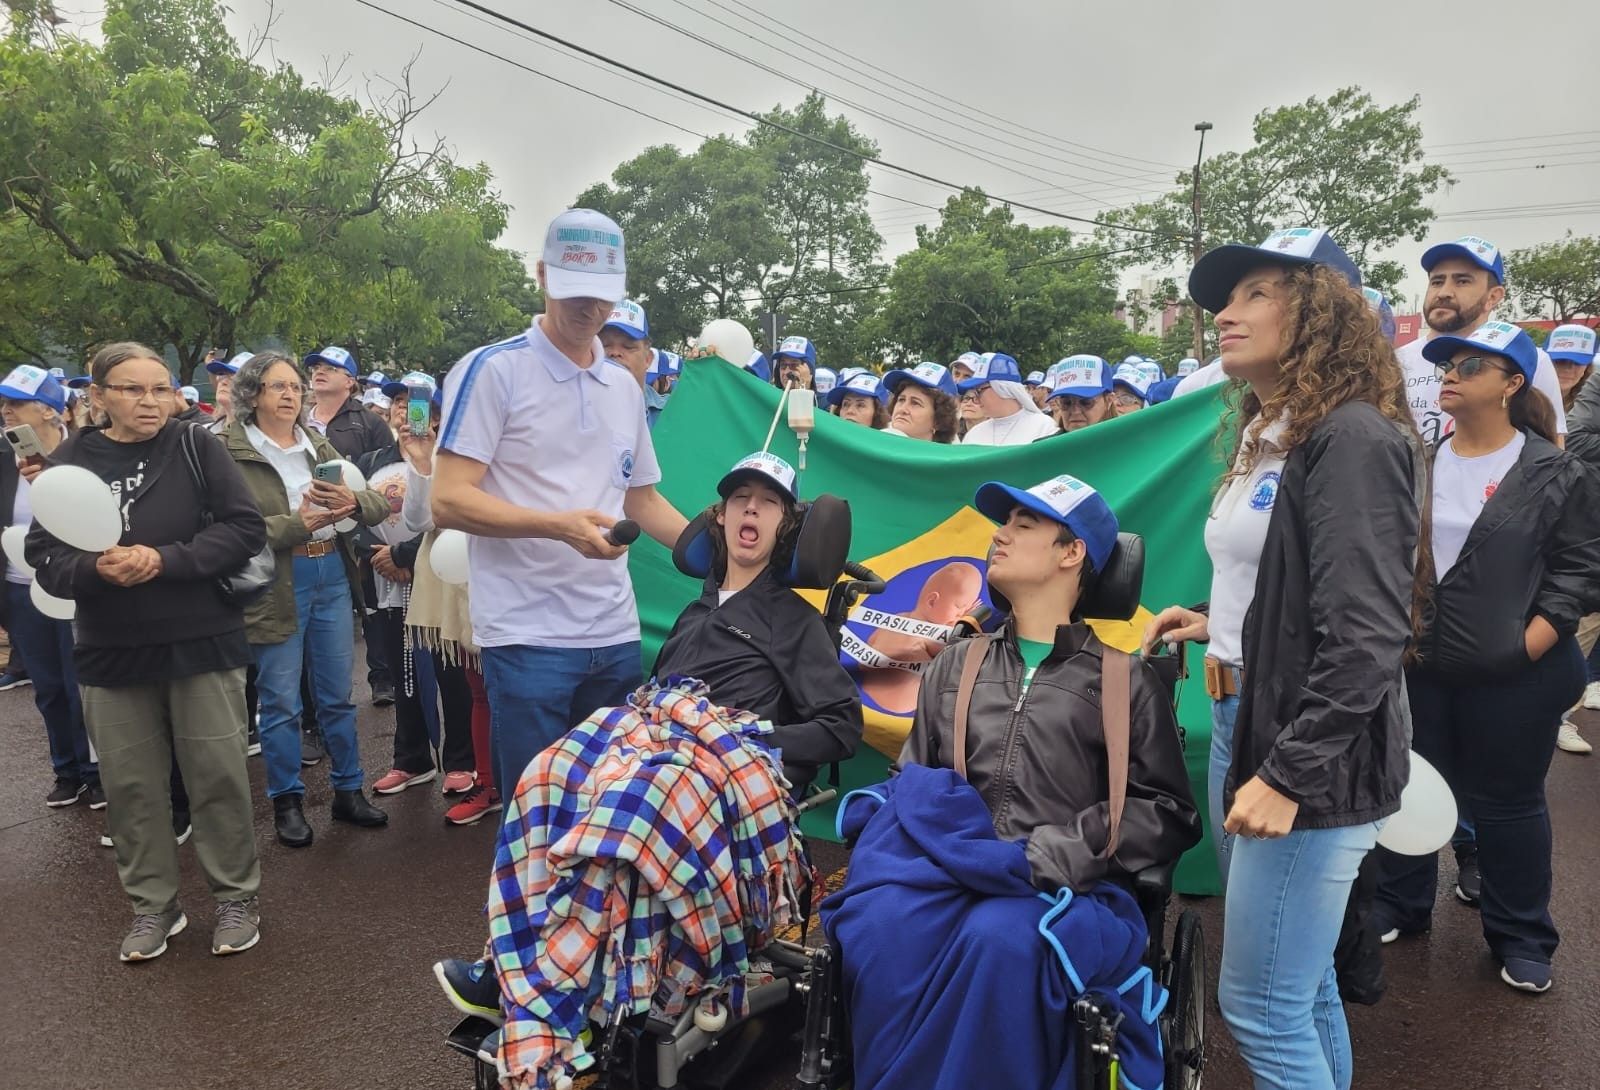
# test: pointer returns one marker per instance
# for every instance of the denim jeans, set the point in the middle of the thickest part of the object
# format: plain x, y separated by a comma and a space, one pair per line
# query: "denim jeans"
45, 645
537, 694
1278, 990
324, 646
1492, 741
1223, 714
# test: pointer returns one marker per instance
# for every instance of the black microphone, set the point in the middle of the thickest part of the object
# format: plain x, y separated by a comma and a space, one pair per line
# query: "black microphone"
972, 624
623, 534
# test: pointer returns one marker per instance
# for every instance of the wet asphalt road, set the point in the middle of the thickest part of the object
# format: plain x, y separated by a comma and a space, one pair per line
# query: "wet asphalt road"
339, 994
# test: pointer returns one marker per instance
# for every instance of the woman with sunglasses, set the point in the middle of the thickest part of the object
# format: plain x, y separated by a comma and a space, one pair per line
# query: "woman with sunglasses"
1516, 558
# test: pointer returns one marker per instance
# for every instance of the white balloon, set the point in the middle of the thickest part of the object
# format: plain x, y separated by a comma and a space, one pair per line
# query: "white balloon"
731, 340
62, 609
77, 507
11, 541
1427, 817
449, 556
355, 482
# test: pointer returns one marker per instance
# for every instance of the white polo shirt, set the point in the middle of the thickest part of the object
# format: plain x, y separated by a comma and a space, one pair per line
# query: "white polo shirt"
1236, 533
1422, 392
556, 437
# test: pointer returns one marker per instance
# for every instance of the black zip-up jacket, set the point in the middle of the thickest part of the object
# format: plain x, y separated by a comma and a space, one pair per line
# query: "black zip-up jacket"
768, 652
1323, 717
404, 554
356, 430
1533, 552
182, 603
1038, 758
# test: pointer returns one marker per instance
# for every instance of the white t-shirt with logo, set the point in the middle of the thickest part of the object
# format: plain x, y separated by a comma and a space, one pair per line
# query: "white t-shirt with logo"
555, 437
1236, 533
1018, 429
1461, 486
1422, 392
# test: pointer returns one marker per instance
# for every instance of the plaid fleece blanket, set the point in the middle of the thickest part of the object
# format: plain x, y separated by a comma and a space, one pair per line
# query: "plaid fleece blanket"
642, 859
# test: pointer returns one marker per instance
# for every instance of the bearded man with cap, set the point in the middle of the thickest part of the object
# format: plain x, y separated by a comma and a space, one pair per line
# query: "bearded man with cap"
1012, 417
542, 449
1466, 282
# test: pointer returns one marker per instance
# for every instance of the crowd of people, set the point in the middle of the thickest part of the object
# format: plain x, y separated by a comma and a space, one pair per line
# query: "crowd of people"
1404, 558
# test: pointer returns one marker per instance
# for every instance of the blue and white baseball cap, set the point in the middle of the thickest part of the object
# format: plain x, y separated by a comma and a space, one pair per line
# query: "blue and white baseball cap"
1482, 253
969, 359
848, 373
664, 365
766, 468
333, 356
79, 382
1500, 338
189, 394
991, 367
757, 365
824, 380
1214, 276
1380, 306
934, 376
1063, 499
229, 367
30, 383
797, 348
1081, 376
401, 387
1572, 343
1188, 366
865, 384
628, 317
583, 257
1035, 378
377, 378
58, 373
1133, 377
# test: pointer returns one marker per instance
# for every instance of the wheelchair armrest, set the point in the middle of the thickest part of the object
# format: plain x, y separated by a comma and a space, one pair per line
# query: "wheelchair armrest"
1153, 885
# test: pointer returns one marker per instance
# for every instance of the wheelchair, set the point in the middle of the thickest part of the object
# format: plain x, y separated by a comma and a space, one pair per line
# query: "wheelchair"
804, 995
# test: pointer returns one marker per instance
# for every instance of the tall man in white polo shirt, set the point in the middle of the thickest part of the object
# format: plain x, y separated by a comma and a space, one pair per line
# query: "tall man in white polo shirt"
542, 449
1466, 282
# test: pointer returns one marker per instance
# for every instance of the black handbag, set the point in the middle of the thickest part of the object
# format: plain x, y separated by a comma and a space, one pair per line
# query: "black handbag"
254, 577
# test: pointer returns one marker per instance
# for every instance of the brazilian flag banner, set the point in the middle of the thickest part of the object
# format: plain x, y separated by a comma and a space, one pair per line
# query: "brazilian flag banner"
914, 525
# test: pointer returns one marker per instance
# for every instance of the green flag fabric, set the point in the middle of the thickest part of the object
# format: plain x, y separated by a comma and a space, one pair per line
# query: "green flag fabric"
914, 525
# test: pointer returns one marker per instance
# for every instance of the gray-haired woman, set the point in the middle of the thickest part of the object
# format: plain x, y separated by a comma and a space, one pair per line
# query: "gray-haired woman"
305, 620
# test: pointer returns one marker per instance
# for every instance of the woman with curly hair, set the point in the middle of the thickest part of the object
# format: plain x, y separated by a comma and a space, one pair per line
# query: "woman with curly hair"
1313, 539
922, 403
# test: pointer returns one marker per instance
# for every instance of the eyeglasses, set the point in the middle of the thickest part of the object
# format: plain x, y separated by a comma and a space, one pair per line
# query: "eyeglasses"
139, 393
1468, 367
281, 386
1127, 398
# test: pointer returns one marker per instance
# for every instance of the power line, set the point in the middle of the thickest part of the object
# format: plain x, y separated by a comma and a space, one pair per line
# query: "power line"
768, 122
1511, 139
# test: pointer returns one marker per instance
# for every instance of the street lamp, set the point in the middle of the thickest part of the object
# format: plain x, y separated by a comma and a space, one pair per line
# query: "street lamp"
1199, 312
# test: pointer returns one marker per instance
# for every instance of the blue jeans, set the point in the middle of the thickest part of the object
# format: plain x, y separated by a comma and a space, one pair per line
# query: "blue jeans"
324, 645
1223, 714
1278, 990
45, 645
537, 694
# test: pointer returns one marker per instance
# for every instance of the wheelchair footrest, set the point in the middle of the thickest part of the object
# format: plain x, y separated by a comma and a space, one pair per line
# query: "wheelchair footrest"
468, 1035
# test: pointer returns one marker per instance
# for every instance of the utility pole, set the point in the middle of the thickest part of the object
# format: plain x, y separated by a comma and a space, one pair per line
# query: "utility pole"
1199, 312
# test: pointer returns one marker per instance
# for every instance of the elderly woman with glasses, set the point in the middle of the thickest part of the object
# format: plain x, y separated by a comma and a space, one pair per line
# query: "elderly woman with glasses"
305, 621
158, 652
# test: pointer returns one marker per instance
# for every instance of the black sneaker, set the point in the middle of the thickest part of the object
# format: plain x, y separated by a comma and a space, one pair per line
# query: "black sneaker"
65, 793
471, 988
95, 796
311, 748
382, 694
1469, 883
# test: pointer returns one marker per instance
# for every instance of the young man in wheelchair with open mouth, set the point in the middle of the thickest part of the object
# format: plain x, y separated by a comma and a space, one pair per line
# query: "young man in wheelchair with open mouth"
990, 883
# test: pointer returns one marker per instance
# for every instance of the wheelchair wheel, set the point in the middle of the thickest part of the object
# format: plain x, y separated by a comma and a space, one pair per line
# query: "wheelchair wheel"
1186, 1008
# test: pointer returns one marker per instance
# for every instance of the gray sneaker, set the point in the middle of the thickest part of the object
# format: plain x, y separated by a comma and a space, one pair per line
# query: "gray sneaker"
148, 937
238, 926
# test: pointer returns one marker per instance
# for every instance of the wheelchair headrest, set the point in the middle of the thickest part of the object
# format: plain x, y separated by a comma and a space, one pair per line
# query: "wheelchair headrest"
819, 547
1115, 593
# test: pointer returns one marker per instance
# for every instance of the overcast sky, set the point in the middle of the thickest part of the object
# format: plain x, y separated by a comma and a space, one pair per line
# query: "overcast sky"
1113, 91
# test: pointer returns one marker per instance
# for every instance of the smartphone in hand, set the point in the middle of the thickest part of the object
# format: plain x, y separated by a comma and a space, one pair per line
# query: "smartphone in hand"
329, 473
25, 442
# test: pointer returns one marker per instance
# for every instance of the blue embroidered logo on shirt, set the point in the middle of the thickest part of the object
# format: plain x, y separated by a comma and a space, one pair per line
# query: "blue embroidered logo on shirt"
627, 465
1266, 492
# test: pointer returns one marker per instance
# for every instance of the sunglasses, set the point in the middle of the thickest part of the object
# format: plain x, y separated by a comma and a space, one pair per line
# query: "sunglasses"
1468, 367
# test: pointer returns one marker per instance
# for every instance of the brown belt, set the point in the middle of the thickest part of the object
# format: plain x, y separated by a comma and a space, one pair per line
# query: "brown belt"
1220, 679
315, 549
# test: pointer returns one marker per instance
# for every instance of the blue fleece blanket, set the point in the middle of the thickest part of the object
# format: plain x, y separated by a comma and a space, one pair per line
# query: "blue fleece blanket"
958, 972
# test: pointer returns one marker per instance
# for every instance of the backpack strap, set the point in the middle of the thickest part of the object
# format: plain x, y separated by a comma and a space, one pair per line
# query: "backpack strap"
972, 661
1115, 700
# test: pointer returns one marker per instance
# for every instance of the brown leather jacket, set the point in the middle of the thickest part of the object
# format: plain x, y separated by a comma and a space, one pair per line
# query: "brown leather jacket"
1038, 759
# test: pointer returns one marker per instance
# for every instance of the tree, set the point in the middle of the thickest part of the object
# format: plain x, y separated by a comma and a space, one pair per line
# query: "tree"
980, 281
209, 196
1561, 279
1346, 164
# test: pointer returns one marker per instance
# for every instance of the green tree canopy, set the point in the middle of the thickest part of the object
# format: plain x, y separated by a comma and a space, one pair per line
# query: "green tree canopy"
1560, 280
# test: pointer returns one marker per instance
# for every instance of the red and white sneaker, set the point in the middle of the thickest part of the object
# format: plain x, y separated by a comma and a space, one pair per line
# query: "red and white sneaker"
395, 781
478, 802
458, 783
